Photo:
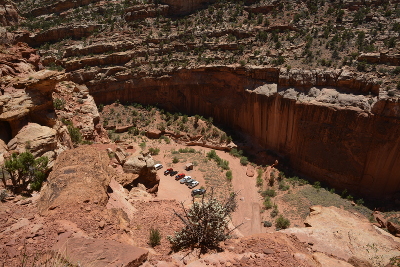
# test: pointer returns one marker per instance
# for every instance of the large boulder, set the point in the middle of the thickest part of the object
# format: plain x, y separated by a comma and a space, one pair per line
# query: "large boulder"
79, 176
3, 151
350, 235
99, 253
393, 228
39, 140
141, 168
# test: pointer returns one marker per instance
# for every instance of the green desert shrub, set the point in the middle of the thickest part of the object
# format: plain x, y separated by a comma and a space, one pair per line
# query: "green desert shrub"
155, 237
75, 134
269, 193
282, 222
229, 175
154, 151
59, 103
205, 223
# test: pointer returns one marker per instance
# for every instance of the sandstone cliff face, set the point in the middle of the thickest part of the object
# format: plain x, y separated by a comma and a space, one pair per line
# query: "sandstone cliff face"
184, 7
58, 7
8, 13
327, 125
145, 11
56, 34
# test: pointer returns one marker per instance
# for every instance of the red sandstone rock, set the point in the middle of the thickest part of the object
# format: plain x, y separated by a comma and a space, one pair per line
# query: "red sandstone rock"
56, 34
382, 222
8, 13
153, 133
346, 232
58, 7
145, 11
393, 228
79, 175
250, 171
100, 252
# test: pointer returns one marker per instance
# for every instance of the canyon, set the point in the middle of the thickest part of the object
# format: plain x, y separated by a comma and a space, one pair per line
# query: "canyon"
331, 126
107, 89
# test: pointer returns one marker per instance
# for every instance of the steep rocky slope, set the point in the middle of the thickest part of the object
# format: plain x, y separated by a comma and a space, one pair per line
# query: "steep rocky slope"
82, 212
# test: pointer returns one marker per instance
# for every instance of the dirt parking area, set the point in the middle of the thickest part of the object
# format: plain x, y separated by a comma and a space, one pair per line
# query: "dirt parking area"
248, 211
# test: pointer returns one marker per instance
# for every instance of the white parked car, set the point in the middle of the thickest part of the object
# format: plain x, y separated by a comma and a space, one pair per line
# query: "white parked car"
158, 166
193, 184
184, 179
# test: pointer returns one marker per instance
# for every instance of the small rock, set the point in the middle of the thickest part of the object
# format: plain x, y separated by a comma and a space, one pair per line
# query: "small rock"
268, 251
102, 223
24, 201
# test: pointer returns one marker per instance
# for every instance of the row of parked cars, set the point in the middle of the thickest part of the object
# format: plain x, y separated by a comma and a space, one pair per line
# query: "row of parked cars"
183, 179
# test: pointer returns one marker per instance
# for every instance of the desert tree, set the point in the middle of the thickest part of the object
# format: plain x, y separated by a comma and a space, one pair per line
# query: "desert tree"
25, 170
205, 223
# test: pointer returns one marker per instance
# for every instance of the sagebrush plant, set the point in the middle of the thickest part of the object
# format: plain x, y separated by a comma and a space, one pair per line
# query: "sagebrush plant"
59, 103
229, 175
154, 151
205, 223
155, 237
3, 195
260, 180
282, 222
75, 134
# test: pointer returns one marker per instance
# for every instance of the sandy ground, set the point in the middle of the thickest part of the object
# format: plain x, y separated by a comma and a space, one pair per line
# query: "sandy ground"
170, 188
248, 205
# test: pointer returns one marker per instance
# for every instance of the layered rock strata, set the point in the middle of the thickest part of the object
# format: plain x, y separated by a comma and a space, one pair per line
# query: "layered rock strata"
329, 125
56, 34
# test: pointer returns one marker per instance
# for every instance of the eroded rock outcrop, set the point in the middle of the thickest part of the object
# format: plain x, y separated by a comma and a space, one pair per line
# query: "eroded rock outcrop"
39, 140
140, 166
145, 11
85, 252
18, 60
79, 175
8, 13
56, 34
380, 58
74, 104
347, 234
28, 99
182, 7
58, 7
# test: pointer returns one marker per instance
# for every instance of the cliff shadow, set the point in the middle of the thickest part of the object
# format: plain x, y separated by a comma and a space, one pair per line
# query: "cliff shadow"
5, 131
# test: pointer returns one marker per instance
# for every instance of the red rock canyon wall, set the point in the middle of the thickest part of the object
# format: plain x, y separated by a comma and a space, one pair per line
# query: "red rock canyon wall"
347, 144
